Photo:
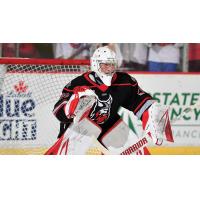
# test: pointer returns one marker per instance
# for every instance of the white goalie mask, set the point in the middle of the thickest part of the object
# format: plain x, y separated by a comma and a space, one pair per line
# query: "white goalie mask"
104, 55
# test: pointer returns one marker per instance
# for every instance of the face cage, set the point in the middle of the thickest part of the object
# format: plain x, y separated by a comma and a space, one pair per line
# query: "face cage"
113, 63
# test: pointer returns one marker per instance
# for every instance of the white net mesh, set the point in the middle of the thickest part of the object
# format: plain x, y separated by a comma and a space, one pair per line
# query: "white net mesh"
3, 69
47, 77
28, 92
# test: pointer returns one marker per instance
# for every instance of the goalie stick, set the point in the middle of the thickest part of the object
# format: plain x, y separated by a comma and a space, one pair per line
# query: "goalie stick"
137, 147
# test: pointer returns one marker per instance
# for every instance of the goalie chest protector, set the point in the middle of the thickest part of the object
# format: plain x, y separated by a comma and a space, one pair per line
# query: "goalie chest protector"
123, 92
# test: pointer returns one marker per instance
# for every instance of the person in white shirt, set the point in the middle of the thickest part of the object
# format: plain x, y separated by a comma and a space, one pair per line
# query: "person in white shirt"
134, 55
71, 50
164, 57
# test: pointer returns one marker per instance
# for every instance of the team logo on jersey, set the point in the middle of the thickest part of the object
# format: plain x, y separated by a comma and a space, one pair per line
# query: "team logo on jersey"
101, 110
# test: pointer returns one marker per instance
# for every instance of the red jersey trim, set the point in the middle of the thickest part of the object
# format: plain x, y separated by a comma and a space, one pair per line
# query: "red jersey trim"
86, 75
75, 88
59, 107
102, 87
68, 90
114, 78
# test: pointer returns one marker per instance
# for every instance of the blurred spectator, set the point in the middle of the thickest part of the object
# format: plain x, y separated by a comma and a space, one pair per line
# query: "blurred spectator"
23, 50
139, 56
9, 49
115, 47
71, 50
45, 50
164, 57
28, 50
194, 57
134, 56
125, 49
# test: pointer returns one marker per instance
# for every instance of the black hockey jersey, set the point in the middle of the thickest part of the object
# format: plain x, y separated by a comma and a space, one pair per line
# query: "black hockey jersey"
123, 92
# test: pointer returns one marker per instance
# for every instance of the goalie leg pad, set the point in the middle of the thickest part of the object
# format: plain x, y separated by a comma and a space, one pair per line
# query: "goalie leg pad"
77, 139
117, 136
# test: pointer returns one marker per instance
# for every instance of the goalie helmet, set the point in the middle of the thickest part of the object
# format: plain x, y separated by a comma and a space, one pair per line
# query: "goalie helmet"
104, 55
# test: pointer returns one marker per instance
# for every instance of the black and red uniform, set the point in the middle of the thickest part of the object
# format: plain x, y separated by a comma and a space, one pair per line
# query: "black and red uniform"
123, 92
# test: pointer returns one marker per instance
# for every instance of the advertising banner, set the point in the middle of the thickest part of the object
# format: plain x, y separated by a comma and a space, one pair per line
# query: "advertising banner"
181, 92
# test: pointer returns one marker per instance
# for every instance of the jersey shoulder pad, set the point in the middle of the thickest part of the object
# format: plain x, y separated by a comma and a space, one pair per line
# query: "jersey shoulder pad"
123, 77
78, 81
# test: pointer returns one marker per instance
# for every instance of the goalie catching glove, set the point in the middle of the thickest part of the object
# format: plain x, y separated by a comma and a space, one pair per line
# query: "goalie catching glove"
75, 104
156, 123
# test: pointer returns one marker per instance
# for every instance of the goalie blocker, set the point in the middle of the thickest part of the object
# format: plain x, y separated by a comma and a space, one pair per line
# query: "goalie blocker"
110, 90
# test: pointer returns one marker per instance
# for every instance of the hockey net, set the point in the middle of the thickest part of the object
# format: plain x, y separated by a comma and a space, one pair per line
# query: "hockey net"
47, 73
29, 88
